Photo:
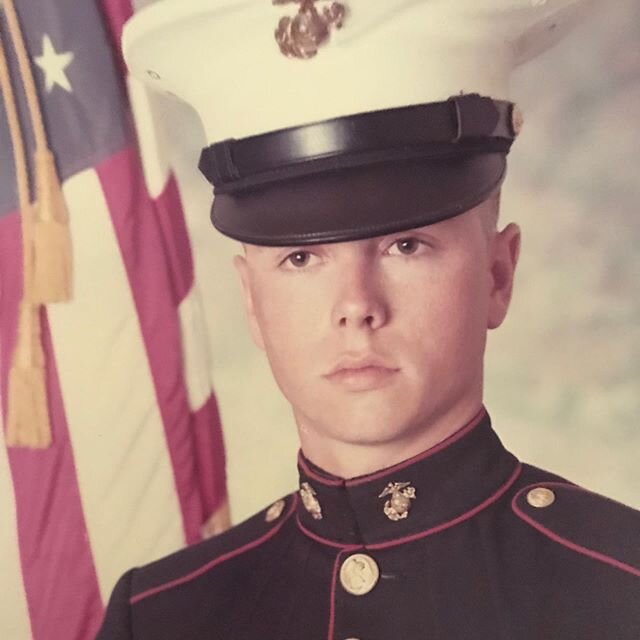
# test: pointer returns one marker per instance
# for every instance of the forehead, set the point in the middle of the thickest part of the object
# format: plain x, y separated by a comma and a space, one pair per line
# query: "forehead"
461, 228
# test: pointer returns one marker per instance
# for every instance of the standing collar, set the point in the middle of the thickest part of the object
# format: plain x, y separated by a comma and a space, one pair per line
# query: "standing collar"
433, 490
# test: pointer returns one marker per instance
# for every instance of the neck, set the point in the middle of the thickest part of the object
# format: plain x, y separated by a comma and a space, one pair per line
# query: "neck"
353, 459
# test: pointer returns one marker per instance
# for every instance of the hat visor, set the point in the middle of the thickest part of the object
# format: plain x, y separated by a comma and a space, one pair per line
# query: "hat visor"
358, 203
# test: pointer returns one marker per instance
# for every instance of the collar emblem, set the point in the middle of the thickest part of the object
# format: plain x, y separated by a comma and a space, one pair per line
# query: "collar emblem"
401, 494
302, 35
309, 500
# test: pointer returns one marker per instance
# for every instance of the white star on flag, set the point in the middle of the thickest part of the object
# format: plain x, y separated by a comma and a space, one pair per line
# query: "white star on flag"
54, 65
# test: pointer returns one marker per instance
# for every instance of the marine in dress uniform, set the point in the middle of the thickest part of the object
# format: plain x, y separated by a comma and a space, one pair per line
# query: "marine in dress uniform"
398, 120
463, 541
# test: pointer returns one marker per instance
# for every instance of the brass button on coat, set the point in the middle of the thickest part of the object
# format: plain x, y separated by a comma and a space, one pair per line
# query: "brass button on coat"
359, 573
541, 497
274, 511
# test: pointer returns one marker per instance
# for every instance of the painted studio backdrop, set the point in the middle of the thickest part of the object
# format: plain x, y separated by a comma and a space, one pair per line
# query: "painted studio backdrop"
144, 456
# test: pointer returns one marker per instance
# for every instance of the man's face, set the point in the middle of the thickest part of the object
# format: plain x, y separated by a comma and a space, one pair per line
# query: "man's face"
373, 340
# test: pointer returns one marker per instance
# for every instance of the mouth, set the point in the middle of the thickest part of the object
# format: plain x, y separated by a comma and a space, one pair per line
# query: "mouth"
363, 375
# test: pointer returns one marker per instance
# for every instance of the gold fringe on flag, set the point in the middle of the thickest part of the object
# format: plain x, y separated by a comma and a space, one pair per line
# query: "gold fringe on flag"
52, 268
28, 413
52, 275
28, 422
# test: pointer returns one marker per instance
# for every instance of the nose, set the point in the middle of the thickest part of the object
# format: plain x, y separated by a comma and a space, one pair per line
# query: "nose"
360, 301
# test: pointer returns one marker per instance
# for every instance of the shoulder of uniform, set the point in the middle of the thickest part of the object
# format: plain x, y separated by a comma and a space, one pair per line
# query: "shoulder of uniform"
191, 562
582, 521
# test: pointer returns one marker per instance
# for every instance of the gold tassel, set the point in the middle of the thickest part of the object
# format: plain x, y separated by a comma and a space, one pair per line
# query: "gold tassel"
28, 420
52, 252
28, 423
51, 238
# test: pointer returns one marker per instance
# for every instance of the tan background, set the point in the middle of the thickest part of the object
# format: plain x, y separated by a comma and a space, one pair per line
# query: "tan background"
563, 373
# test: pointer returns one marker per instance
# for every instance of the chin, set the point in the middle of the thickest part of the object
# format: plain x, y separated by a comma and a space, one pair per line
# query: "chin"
377, 423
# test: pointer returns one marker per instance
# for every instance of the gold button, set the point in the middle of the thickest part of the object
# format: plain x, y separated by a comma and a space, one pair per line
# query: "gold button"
540, 497
274, 511
359, 573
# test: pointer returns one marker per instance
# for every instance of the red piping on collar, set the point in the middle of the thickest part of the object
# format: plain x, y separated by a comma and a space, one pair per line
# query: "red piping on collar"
353, 482
219, 560
422, 534
312, 474
563, 541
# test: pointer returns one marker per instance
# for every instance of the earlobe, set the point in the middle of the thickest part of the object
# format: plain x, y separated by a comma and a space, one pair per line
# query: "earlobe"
241, 266
505, 259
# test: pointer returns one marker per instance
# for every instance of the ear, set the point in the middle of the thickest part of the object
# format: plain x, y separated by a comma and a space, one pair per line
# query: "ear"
504, 259
242, 267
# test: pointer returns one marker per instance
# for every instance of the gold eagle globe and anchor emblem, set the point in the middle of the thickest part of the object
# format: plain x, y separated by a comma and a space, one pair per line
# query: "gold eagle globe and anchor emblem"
302, 35
401, 494
309, 500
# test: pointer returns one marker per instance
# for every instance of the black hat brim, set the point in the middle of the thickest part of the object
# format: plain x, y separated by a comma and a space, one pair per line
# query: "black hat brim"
358, 203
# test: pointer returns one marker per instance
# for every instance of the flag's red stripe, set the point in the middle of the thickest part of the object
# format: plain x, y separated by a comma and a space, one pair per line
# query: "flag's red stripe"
210, 457
60, 581
176, 243
168, 208
206, 437
207, 430
135, 217
116, 13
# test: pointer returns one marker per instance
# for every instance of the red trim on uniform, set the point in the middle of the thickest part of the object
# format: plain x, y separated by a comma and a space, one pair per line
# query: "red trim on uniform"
563, 541
449, 440
353, 482
216, 561
312, 474
423, 534
451, 523
334, 582
325, 541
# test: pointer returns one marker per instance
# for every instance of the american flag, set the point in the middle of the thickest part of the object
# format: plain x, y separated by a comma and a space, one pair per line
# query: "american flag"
136, 465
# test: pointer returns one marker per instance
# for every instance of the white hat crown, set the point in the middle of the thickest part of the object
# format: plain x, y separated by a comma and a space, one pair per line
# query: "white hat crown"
221, 56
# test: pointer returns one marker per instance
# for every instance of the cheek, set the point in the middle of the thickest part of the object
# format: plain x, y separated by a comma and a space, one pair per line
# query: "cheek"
446, 313
287, 318
467, 312
276, 321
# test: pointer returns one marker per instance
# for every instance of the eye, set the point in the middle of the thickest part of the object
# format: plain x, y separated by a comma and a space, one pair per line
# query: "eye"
298, 259
405, 246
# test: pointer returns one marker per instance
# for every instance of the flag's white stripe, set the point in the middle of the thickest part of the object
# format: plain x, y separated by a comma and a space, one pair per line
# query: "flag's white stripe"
152, 114
152, 140
196, 196
195, 342
124, 471
197, 326
14, 614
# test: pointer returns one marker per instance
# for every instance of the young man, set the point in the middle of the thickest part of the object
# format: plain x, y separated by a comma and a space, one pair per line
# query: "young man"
365, 188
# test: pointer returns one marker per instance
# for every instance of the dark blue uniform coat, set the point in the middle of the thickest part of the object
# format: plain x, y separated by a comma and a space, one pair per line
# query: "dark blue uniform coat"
475, 554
